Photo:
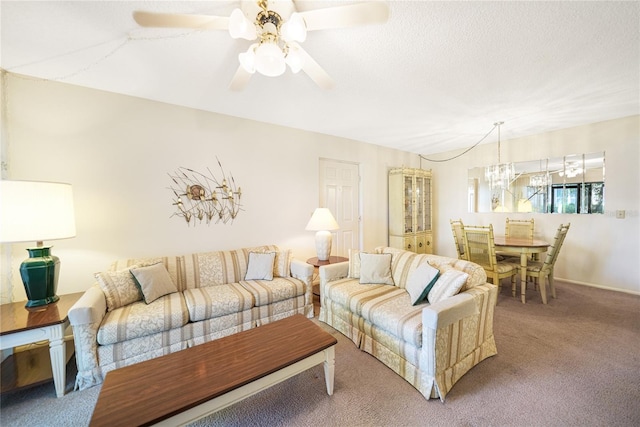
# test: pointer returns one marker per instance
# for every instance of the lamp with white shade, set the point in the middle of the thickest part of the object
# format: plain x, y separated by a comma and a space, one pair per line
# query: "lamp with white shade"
37, 211
323, 222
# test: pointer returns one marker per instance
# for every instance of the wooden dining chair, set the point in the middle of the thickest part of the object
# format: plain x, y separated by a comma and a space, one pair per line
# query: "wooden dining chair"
537, 270
480, 248
519, 229
458, 238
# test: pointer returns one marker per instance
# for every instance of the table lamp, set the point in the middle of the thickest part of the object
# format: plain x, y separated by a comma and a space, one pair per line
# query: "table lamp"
37, 211
323, 222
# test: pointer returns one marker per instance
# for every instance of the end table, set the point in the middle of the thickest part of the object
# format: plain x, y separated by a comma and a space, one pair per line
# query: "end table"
20, 325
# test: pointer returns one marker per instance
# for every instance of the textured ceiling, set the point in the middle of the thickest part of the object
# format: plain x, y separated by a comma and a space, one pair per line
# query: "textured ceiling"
434, 78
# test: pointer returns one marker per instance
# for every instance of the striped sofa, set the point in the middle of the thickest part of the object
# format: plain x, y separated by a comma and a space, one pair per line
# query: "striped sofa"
212, 300
429, 345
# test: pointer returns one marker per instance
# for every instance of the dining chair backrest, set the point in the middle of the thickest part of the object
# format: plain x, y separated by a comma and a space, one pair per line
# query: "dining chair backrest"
554, 250
479, 246
519, 228
458, 238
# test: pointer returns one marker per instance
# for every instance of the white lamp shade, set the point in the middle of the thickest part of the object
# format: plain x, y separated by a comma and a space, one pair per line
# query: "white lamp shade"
322, 220
36, 211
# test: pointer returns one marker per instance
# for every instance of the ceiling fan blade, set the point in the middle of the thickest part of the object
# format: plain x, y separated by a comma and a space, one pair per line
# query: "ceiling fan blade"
346, 16
175, 20
314, 70
240, 79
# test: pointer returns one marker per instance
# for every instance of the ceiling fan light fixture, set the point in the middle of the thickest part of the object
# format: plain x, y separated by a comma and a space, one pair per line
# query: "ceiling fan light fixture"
248, 59
294, 60
294, 29
240, 27
269, 59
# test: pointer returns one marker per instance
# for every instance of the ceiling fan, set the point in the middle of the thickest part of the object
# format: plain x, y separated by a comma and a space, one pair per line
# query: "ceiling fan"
278, 29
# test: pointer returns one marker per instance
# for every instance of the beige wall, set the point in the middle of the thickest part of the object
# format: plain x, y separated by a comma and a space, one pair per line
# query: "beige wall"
599, 250
116, 151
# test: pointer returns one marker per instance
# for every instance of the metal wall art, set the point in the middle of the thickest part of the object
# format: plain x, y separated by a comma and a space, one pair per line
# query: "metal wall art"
200, 197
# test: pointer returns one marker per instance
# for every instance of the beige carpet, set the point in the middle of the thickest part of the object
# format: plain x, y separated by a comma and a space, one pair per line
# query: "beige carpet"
573, 362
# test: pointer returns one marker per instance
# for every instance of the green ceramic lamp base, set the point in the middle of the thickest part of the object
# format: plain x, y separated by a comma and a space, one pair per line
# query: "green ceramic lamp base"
40, 276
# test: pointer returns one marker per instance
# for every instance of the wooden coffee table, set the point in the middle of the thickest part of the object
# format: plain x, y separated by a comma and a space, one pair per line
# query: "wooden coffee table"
187, 385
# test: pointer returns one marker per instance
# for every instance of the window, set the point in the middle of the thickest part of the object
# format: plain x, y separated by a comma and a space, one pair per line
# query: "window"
585, 197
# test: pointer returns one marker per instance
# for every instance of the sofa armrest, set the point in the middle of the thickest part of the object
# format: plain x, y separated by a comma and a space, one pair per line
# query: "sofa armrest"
448, 311
85, 317
301, 270
333, 271
90, 308
457, 333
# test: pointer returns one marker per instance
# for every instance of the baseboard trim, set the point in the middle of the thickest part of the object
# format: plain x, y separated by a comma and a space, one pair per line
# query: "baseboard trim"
593, 285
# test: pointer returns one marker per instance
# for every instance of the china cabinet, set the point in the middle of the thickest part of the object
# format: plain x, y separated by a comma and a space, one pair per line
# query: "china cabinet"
410, 210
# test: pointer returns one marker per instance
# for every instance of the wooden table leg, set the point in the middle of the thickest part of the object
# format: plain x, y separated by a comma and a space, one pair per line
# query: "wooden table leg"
329, 368
523, 277
58, 354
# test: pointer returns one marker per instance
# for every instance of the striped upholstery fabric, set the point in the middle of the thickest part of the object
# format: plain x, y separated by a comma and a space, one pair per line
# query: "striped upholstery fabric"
382, 322
279, 310
387, 307
140, 319
218, 327
215, 301
124, 352
403, 263
266, 292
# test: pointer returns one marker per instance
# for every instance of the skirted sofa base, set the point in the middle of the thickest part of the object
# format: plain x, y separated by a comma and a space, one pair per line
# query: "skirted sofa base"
212, 301
429, 345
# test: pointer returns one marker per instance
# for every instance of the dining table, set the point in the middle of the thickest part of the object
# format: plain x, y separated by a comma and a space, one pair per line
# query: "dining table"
525, 247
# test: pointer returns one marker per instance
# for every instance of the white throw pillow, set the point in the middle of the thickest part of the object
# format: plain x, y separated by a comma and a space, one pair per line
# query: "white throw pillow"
119, 287
260, 266
447, 285
420, 282
375, 269
154, 281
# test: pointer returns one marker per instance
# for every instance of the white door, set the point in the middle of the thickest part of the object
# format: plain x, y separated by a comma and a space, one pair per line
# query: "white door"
340, 192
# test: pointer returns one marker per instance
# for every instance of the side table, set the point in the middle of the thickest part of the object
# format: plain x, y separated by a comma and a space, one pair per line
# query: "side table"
20, 325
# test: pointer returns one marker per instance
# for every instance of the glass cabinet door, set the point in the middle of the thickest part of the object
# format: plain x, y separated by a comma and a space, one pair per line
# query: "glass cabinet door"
427, 204
420, 203
408, 204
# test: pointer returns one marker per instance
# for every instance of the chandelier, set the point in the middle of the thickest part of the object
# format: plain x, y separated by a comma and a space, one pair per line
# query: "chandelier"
275, 49
571, 169
499, 175
540, 180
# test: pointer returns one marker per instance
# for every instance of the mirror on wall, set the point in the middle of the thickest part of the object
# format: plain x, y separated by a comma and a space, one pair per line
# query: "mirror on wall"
570, 184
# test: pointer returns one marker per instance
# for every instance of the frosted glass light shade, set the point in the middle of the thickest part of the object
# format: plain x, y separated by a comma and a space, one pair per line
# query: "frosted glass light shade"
248, 59
294, 60
36, 211
294, 29
240, 27
270, 59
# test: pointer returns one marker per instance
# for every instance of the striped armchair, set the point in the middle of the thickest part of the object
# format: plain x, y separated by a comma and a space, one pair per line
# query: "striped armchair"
210, 295
430, 345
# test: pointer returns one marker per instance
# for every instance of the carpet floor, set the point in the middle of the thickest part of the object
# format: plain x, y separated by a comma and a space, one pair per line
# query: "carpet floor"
572, 362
